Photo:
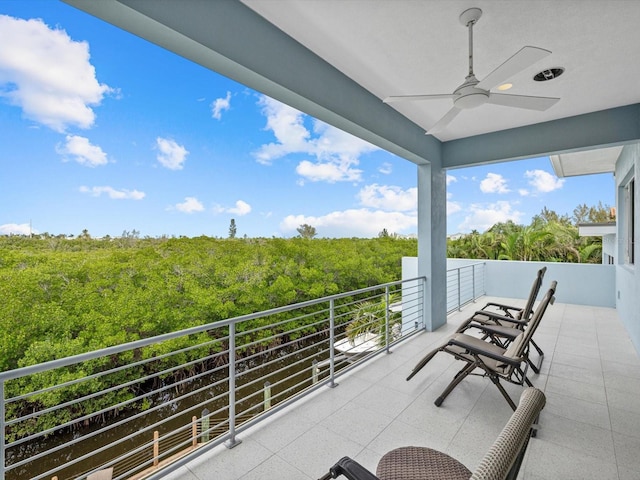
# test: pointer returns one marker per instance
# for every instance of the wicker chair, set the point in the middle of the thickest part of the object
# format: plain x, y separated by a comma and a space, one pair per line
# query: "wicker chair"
501, 462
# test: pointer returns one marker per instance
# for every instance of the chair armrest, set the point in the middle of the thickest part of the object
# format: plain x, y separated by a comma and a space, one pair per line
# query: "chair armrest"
486, 352
498, 330
506, 308
497, 316
350, 469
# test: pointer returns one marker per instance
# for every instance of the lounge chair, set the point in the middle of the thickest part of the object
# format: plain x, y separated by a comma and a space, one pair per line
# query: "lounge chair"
509, 364
525, 312
498, 320
502, 461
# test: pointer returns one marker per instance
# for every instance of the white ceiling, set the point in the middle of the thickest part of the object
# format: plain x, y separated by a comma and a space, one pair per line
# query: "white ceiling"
397, 47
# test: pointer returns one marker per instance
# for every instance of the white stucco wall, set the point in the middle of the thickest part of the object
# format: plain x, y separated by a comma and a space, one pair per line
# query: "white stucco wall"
578, 283
627, 276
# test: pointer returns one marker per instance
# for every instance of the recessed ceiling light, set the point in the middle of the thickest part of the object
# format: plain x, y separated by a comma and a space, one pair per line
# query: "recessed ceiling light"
548, 74
505, 86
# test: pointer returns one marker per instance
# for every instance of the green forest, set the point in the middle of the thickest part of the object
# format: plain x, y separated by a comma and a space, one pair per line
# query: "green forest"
63, 296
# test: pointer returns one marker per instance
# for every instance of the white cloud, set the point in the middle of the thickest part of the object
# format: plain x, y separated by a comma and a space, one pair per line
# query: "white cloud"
113, 193
336, 153
543, 181
328, 172
241, 208
220, 105
452, 207
171, 155
352, 223
386, 168
389, 198
190, 205
82, 151
524, 192
16, 229
484, 216
494, 183
47, 74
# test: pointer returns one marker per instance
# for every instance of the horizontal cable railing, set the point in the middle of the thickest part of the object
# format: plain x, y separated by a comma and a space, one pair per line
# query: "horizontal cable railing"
464, 285
139, 406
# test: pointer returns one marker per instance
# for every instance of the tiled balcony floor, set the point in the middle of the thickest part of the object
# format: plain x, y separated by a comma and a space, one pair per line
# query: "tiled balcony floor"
589, 429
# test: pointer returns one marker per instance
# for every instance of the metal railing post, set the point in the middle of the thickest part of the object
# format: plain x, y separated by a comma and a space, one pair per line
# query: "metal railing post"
422, 303
473, 280
332, 342
459, 294
386, 318
233, 441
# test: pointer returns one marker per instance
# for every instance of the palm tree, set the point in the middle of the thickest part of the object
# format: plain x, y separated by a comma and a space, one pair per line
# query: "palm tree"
370, 317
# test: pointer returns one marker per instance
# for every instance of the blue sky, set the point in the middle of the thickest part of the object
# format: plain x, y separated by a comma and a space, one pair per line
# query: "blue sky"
103, 131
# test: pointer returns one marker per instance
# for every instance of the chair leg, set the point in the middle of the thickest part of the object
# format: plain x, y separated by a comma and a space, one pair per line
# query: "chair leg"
461, 371
539, 350
535, 425
461, 375
496, 382
534, 367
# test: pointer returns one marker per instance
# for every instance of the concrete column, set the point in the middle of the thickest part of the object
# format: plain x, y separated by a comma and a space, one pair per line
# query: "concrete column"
432, 242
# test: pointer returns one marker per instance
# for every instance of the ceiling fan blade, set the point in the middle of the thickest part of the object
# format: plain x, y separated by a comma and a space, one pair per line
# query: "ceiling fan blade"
444, 121
522, 101
400, 98
525, 57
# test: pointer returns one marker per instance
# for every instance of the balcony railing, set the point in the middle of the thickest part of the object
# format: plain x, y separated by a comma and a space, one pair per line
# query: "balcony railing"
137, 406
465, 284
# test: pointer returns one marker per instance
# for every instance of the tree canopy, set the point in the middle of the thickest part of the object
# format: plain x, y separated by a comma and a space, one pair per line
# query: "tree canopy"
549, 237
65, 296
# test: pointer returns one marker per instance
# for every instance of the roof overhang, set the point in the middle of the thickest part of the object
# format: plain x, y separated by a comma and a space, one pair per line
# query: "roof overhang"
590, 162
232, 39
596, 229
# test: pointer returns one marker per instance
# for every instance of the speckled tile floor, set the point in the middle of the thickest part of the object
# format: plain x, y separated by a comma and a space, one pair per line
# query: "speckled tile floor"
589, 429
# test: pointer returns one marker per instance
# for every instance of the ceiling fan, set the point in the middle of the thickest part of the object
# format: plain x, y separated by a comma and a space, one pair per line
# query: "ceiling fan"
473, 92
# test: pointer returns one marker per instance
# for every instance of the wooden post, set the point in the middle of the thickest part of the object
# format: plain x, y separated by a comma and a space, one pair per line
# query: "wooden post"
156, 447
194, 431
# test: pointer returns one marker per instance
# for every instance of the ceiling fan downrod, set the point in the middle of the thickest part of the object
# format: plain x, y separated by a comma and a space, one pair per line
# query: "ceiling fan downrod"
468, 18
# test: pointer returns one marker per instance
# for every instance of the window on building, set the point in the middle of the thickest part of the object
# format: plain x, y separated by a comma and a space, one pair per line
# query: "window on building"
629, 197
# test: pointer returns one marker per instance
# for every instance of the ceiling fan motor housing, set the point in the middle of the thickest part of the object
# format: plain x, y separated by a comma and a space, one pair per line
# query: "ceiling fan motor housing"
468, 96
